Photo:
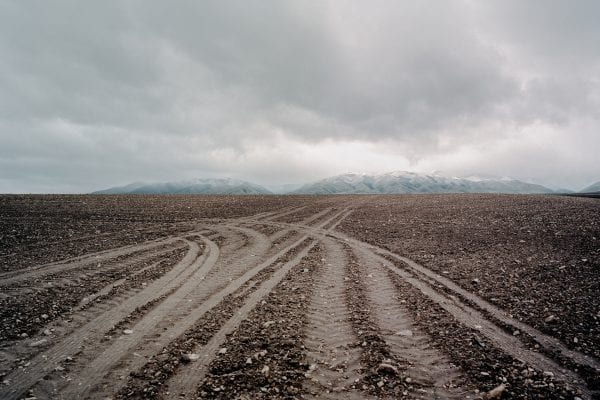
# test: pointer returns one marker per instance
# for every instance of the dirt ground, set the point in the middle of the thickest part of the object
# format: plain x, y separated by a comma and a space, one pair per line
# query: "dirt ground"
298, 297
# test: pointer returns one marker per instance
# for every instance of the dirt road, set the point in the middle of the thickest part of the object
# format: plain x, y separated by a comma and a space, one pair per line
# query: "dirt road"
278, 304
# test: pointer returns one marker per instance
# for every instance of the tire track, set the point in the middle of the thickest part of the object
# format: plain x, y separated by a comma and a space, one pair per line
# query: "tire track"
271, 214
473, 319
75, 278
184, 383
551, 344
236, 257
176, 327
465, 314
67, 265
93, 331
427, 367
24, 291
100, 366
330, 342
228, 268
284, 213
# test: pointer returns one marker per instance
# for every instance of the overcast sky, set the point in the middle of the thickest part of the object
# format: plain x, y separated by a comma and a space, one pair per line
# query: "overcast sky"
101, 93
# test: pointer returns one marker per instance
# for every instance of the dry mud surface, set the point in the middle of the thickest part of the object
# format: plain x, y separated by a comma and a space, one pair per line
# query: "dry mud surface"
299, 297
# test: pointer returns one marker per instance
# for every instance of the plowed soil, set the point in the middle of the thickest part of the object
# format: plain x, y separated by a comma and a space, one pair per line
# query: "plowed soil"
300, 297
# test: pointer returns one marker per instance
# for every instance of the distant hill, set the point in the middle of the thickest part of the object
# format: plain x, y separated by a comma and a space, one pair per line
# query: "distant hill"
409, 182
388, 183
195, 186
593, 188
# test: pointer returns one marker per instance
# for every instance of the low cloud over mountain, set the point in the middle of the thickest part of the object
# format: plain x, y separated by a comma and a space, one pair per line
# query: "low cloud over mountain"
388, 183
409, 182
195, 186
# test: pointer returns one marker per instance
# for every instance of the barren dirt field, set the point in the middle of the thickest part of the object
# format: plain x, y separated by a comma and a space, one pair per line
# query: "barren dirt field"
300, 297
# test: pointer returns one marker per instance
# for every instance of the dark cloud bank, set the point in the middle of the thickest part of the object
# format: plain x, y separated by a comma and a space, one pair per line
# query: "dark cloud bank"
95, 94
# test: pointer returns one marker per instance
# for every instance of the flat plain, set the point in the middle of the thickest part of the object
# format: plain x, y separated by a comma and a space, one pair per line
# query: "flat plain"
341, 297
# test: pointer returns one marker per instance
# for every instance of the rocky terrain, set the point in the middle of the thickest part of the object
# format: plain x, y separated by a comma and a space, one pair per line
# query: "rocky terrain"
292, 297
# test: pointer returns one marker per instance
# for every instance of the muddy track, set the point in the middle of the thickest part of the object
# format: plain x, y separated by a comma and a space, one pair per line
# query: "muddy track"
184, 384
356, 318
468, 315
101, 364
427, 368
549, 343
200, 306
28, 284
330, 343
181, 296
11, 278
45, 362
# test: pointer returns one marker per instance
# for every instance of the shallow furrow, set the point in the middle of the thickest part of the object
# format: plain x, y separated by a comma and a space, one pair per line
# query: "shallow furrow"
330, 341
173, 330
188, 378
230, 266
100, 366
95, 258
473, 319
154, 344
550, 343
469, 316
436, 377
23, 379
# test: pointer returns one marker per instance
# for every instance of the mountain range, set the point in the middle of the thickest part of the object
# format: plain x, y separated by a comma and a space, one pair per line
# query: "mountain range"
398, 182
410, 182
593, 188
194, 186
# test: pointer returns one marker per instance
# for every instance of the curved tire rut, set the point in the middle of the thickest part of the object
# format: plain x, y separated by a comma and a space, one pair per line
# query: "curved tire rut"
468, 315
23, 379
184, 383
11, 278
198, 308
101, 364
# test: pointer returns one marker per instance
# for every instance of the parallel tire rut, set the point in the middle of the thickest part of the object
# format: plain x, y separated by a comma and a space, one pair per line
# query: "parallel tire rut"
330, 342
147, 302
93, 331
427, 367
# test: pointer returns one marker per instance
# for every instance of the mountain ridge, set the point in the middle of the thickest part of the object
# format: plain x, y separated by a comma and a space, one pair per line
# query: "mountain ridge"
593, 188
394, 182
194, 186
401, 182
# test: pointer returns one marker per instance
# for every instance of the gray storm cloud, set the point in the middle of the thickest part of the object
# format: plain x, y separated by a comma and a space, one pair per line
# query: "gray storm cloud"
103, 93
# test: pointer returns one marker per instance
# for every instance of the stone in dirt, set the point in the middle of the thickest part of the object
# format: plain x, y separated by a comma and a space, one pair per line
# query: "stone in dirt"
268, 324
189, 357
127, 331
387, 368
38, 343
265, 370
496, 392
550, 318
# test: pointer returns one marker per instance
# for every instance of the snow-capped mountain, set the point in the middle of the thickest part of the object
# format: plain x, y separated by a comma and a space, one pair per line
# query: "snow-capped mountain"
593, 188
194, 186
410, 182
